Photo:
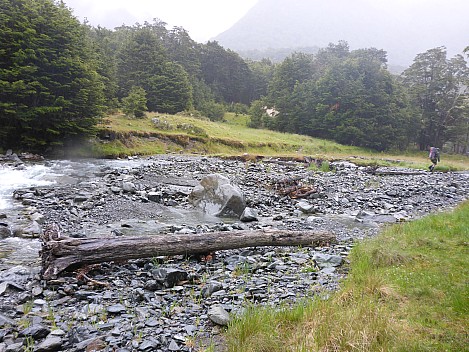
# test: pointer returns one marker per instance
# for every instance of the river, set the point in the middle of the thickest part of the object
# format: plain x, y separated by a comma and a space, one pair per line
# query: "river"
17, 250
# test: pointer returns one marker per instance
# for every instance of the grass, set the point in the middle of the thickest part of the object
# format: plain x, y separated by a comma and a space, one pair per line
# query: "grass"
407, 291
191, 135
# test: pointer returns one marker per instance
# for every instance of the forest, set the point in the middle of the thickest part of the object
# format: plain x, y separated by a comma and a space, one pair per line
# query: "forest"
59, 77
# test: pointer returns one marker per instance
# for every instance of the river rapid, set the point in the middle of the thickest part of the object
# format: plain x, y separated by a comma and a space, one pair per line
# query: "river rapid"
15, 175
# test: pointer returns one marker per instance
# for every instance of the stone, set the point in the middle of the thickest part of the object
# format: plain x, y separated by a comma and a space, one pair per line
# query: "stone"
169, 277
5, 231
217, 196
306, 207
37, 331
173, 346
218, 315
155, 196
53, 343
4, 320
116, 309
128, 187
327, 260
34, 229
210, 288
248, 215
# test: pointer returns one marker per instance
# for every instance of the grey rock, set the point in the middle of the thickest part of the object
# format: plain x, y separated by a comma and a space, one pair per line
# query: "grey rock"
327, 260
116, 309
129, 187
53, 343
37, 331
15, 347
248, 215
34, 229
306, 207
210, 288
148, 345
169, 277
155, 196
152, 285
5, 231
218, 315
217, 196
173, 346
4, 320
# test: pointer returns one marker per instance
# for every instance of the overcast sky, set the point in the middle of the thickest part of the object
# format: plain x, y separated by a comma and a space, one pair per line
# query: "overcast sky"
203, 19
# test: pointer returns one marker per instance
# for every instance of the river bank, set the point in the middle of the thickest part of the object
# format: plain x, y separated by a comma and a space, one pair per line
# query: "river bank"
137, 306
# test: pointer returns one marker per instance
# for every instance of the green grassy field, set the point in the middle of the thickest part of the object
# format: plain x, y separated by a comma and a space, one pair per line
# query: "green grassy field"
407, 291
190, 135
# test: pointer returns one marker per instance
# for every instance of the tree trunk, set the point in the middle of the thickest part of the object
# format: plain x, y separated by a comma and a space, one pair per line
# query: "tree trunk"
60, 254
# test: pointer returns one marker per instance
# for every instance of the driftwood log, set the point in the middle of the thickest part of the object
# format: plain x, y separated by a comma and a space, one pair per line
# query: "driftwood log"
61, 253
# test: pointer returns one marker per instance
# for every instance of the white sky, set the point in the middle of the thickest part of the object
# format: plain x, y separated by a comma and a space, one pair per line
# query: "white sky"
203, 19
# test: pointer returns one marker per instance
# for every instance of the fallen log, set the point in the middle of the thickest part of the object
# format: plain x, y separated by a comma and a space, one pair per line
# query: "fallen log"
62, 253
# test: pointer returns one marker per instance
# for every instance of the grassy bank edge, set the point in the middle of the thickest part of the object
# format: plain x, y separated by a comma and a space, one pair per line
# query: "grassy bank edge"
407, 290
177, 134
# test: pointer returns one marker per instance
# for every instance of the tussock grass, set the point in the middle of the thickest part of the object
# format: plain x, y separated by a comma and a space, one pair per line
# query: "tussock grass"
407, 291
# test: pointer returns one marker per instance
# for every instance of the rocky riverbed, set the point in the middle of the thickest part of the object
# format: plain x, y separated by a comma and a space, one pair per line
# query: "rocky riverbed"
182, 303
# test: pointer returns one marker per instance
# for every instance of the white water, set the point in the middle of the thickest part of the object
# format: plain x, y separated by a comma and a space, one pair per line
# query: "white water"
51, 172
24, 251
14, 178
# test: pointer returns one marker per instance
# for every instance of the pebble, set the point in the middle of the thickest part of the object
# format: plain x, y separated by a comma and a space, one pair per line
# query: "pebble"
163, 303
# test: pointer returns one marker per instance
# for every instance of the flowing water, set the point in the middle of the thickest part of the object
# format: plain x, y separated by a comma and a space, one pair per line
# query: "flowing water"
16, 250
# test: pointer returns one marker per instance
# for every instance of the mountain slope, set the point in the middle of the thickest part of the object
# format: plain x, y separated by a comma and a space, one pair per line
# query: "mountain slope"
402, 28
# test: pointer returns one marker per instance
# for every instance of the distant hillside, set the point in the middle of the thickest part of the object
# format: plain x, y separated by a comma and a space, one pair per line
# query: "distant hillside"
402, 28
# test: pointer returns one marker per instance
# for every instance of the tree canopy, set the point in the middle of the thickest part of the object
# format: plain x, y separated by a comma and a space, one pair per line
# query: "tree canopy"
50, 90
58, 76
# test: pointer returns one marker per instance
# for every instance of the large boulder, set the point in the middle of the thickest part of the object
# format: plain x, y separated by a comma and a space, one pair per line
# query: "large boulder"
217, 196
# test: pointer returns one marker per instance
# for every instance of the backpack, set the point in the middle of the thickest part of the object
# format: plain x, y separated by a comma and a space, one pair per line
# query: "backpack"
434, 153
437, 154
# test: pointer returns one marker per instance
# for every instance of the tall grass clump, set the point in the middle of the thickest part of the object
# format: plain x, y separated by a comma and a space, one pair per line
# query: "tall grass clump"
407, 290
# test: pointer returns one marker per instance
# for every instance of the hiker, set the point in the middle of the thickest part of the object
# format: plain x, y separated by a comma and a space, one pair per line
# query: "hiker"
434, 157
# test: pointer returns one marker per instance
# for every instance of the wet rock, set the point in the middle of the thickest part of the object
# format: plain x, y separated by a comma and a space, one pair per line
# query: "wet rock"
217, 196
5, 230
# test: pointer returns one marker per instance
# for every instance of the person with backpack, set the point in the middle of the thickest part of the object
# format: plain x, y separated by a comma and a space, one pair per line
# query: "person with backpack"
434, 156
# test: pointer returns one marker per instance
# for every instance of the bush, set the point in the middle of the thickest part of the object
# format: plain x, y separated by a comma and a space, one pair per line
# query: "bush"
214, 111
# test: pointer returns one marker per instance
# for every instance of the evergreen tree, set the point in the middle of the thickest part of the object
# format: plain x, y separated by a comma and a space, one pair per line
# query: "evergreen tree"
140, 59
226, 73
171, 90
135, 104
50, 91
